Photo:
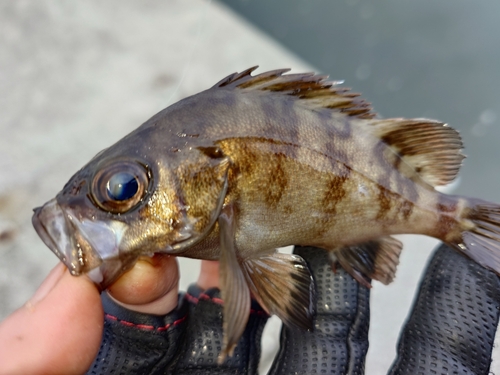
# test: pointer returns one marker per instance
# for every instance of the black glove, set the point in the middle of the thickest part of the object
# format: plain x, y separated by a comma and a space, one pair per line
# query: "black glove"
186, 341
450, 330
453, 323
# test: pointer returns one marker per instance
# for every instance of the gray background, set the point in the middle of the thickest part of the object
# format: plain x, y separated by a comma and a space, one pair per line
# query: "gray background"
77, 76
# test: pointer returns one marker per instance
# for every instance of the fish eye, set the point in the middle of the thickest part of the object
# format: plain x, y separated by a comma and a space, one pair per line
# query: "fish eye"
119, 187
122, 186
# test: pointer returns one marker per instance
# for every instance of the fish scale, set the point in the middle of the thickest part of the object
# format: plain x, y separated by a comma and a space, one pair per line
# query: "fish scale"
264, 161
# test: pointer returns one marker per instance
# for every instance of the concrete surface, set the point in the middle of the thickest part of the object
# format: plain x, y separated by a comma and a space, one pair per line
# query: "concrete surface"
77, 76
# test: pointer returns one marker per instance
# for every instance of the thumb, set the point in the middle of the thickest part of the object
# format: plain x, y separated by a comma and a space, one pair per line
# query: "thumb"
150, 287
58, 331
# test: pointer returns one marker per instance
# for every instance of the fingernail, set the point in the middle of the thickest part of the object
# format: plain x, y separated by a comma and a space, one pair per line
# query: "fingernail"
48, 284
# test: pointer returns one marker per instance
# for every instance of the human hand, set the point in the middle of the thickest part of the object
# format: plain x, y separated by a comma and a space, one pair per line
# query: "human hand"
59, 330
451, 328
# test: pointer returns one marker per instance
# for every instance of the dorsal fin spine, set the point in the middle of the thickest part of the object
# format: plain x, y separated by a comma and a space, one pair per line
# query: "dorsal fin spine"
310, 90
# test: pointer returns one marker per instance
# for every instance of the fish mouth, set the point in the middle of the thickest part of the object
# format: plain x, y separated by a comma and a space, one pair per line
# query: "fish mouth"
84, 246
53, 228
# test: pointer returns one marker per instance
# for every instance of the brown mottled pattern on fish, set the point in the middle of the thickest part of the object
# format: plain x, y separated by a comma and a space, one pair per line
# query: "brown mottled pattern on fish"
335, 191
259, 162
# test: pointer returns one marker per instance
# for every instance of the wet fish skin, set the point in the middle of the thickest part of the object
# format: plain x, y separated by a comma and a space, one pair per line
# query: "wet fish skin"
259, 162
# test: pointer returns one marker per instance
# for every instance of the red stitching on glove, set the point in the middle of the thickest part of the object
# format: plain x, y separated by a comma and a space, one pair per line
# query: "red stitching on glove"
259, 312
191, 298
144, 326
206, 297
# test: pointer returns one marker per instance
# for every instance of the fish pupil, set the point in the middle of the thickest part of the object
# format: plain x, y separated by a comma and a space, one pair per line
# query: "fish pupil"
122, 186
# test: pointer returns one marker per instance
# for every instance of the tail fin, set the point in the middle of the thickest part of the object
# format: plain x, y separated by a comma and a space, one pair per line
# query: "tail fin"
482, 241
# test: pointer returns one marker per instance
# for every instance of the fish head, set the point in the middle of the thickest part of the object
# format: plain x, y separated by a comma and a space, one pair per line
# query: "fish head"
121, 206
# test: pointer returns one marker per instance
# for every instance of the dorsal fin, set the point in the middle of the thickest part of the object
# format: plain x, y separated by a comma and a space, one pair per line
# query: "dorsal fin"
429, 148
314, 91
422, 149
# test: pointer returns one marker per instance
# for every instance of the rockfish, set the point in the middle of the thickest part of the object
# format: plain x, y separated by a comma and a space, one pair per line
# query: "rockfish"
260, 162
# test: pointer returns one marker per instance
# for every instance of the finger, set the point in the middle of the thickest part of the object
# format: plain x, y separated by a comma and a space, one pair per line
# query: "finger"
339, 341
209, 275
453, 322
57, 332
150, 287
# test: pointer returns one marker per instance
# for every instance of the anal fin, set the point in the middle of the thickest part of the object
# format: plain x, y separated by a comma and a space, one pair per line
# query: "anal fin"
376, 259
283, 285
234, 289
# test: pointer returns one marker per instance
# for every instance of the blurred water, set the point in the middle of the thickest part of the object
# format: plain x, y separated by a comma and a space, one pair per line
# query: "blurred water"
425, 58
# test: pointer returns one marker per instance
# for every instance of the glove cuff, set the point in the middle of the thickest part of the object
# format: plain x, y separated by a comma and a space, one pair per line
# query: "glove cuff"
134, 342
188, 340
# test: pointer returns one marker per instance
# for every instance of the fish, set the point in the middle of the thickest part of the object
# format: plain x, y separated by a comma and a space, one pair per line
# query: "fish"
259, 162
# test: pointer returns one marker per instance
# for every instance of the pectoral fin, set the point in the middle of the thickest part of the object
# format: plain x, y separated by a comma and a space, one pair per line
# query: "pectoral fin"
377, 259
283, 285
234, 289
